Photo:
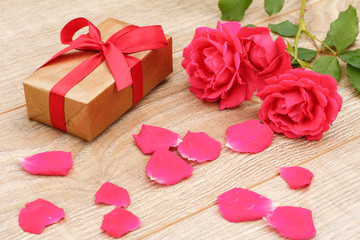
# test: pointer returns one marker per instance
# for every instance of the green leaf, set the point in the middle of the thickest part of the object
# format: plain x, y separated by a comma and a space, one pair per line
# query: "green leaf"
306, 54
328, 41
328, 65
285, 29
289, 48
233, 9
354, 76
250, 25
273, 6
351, 57
304, 64
344, 30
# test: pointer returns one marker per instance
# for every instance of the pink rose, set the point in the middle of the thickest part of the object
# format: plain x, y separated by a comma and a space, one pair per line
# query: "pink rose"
212, 60
300, 103
265, 58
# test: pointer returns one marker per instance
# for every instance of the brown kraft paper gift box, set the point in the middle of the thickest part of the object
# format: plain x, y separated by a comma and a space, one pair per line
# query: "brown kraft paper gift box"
94, 103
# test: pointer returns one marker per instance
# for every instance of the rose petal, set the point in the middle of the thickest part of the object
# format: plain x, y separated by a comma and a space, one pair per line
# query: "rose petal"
296, 177
38, 214
57, 163
239, 205
120, 221
167, 168
112, 194
152, 138
292, 222
250, 136
198, 146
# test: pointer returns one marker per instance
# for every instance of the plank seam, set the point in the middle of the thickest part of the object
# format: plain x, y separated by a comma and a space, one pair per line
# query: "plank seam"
12, 109
177, 51
212, 204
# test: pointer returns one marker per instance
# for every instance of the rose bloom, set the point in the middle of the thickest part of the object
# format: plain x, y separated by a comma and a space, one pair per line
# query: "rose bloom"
224, 65
212, 61
265, 58
300, 103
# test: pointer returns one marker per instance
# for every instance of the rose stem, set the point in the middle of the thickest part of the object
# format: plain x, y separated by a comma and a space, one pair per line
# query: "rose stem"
301, 26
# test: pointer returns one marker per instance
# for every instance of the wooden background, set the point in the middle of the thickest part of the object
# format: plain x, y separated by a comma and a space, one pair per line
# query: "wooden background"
29, 35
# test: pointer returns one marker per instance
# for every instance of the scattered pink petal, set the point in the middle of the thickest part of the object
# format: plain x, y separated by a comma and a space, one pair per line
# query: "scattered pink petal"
167, 168
296, 177
250, 136
198, 146
57, 163
292, 222
112, 194
120, 221
239, 205
38, 214
152, 138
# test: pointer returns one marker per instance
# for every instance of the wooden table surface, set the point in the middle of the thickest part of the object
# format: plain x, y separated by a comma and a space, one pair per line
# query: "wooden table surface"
29, 35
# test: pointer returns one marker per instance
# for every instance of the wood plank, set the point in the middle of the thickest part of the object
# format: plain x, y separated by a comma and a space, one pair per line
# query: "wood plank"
333, 198
113, 156
30, 40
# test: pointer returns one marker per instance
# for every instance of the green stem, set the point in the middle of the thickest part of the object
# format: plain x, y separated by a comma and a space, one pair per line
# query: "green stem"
302, 63
301, 26
314, 37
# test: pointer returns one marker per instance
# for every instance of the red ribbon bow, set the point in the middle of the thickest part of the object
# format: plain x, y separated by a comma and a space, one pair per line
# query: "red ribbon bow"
130, 39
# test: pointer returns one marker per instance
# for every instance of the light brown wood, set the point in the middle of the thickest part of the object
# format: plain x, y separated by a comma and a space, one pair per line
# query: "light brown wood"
333, 198
114, 156
30, 30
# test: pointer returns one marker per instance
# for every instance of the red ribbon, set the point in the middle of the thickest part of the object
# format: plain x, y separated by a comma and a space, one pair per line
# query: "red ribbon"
130, 39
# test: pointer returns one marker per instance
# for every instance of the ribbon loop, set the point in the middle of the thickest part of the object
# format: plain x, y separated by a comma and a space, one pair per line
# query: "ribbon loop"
69, 30
128, 40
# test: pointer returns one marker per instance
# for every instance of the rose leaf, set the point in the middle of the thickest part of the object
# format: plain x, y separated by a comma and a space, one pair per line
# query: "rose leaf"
354, 76
328, 41
351, 57
344, 30
306, 54
273, 6
285, 29
289, 48
233, 9
328, 65
250, 25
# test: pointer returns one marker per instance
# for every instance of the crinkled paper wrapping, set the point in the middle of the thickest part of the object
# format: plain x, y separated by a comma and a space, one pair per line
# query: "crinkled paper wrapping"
94, 103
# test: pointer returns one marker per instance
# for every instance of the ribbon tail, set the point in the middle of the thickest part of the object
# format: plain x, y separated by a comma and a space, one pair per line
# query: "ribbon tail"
118, 67
69, 48
59, 90
137, 76
140, 39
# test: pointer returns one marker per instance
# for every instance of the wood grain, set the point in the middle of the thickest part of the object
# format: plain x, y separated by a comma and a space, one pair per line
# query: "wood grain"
333, 198
113, 155
30, 34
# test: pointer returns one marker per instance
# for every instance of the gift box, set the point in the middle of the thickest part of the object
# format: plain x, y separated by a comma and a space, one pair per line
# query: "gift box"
87, 86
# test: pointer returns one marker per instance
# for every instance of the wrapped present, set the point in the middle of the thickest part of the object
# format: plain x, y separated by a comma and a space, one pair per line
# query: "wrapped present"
98, 77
